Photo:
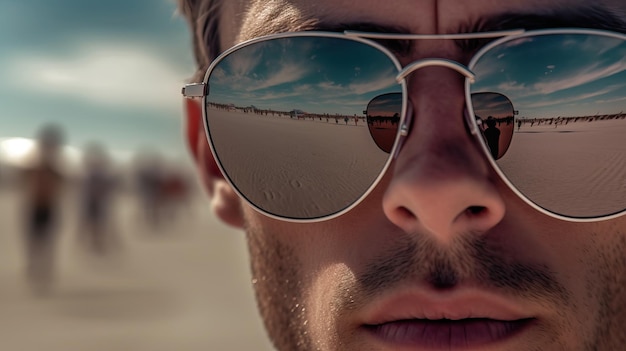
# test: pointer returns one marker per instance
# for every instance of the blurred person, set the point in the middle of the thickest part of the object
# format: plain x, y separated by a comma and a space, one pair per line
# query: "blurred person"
174, 192
99, 184
148, 178
43, 181
433, 244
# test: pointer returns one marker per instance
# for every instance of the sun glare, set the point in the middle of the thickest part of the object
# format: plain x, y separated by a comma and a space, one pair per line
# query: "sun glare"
15, 149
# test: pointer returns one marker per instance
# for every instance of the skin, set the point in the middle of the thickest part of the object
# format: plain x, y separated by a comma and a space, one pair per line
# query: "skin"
440, 223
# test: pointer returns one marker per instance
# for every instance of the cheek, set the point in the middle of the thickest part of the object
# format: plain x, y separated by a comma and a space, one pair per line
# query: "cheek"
568, 249
589, 260
579, 247
602, 280
326, 254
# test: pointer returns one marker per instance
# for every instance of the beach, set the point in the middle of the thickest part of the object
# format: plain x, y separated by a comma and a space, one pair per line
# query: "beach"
182, 286
331, 163
571, 167
563, 164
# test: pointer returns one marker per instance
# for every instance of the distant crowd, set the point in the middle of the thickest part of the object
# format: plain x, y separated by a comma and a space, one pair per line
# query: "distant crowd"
45, 183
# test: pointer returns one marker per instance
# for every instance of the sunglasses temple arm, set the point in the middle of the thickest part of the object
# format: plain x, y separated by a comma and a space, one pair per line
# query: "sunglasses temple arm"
195, 90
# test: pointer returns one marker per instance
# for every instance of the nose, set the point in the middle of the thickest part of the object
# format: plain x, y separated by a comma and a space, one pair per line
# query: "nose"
441, 181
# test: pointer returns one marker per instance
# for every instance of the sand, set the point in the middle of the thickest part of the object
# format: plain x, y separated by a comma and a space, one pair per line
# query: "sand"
588, 159
329, 163
577, 169
185, 286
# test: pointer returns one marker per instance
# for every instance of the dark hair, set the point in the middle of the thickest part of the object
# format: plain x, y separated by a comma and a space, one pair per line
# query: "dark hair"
204, 22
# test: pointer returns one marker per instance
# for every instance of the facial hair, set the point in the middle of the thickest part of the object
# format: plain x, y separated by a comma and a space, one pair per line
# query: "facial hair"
276, 278
280, 292
609, 290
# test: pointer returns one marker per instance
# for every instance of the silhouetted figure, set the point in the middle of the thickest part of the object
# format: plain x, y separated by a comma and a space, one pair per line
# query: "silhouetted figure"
43, 180
98, 186
174, 192
492, 134
148, 179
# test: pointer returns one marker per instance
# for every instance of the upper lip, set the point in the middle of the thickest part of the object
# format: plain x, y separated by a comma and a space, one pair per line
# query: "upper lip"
453, 304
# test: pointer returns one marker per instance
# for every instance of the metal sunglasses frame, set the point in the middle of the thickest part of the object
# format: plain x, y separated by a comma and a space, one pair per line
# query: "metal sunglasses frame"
201, 90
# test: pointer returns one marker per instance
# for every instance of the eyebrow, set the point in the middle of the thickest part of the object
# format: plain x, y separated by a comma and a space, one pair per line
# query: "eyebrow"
584, 16
587, 16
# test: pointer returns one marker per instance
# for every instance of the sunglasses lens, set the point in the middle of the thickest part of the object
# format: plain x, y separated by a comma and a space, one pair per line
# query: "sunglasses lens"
565, 148
494, 115
383, 118
285, 117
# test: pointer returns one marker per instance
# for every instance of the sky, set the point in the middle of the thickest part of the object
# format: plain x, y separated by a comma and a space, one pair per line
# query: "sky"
319, 75
105, 71
566, 75
551, 76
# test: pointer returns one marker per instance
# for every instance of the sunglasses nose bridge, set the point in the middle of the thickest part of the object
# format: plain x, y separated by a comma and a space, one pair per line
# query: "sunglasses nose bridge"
415, 65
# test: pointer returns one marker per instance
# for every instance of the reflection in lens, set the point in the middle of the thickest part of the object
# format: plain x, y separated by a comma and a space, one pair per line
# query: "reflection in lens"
568, 153
383, 118
285, 118
494, 112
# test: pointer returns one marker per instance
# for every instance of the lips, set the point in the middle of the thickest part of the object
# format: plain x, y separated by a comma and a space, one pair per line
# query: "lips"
455, 319
445, 333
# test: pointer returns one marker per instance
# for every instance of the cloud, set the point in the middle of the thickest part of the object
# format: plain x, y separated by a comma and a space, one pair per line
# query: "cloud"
288, 73
608, 101
512, 86
576, 98
574, 79
242, 65
111, 74
382, 81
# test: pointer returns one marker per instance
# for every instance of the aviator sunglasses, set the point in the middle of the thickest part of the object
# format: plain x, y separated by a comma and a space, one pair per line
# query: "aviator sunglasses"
304, 125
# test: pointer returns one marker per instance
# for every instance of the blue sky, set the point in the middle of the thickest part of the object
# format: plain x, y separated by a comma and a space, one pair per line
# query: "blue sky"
324, 75
107, 71
552, 76
544, 77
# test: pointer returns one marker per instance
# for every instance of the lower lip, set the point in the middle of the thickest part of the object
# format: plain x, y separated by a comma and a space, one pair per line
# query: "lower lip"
446, 334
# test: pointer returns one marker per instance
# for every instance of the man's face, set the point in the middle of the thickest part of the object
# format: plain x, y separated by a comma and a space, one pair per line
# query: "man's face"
441, 254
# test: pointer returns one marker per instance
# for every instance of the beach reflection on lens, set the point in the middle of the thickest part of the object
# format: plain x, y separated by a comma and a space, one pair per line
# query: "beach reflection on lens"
495, 115
286, 120
568, 153
383, 118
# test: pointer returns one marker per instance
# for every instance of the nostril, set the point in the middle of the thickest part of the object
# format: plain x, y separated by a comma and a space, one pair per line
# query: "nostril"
406, 214
476, 210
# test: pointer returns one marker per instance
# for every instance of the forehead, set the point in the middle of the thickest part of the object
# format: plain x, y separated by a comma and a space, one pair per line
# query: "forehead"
260, 17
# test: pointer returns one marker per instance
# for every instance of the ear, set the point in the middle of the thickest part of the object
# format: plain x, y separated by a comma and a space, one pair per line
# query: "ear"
225, 203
